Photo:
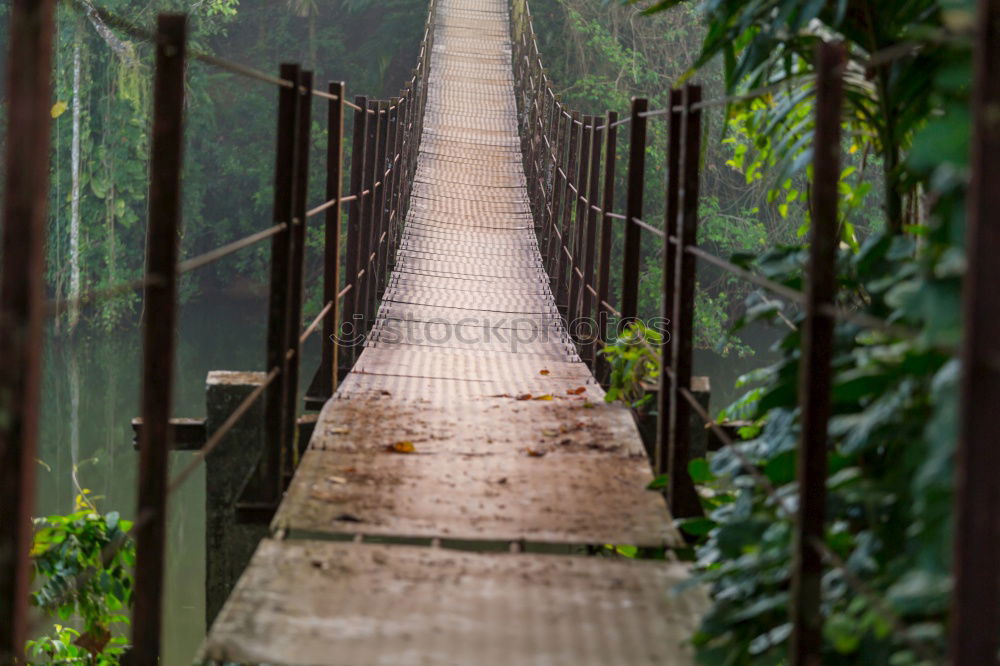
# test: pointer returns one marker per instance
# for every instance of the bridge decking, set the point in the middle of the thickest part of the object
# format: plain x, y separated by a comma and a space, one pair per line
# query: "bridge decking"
466, 330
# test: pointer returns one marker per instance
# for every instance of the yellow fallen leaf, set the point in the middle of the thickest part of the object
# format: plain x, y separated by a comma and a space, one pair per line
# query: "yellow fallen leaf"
588, 405
338, 431
337, 479
402, 447
58, 109
550, 433
547, 396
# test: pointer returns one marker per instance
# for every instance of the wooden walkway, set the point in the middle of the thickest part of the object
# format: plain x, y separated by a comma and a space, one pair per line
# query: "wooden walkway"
443, 509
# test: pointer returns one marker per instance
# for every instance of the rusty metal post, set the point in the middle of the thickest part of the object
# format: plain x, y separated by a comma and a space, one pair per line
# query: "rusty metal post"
590, 243
555, 198
155, 442
681, 495
350, 328
633, 210
601, 369
560, 288
580, 223
22, 302
331, 244
815, 374
385, 193
270, 481
975, 611
395, 163
376, 165
300, 195
670, 229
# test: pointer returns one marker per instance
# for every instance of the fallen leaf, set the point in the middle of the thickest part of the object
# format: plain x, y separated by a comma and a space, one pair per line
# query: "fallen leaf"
577, 391
550, 433
524, 396
339, 430
502, 480
385, 392
547, 396
337, 479
588, 405
535, 453
402, 447
543, 372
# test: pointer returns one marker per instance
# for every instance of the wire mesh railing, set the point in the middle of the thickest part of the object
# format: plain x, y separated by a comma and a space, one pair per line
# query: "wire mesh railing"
563, 161
386, 135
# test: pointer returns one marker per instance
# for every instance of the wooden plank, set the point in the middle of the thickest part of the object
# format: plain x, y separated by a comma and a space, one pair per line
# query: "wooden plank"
485, 468
326, 604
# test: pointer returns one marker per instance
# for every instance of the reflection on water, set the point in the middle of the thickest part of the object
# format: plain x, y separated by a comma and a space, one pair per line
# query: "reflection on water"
90, 394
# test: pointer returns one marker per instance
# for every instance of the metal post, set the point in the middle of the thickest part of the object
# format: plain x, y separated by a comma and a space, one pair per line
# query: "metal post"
385, 192
576, 264
155, 443
561, 287
814, 368
22, 302
556, 197
277, 322
681, 495
331, 245
396, 163
370, 233
590, 249
351, 329
976, 597
633, 209
607, 227
670, 229
300, 194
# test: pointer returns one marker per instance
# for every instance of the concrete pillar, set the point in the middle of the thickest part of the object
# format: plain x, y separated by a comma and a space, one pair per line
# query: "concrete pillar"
229, 544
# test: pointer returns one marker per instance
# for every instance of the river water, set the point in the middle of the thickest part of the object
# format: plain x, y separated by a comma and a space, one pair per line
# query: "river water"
91, 392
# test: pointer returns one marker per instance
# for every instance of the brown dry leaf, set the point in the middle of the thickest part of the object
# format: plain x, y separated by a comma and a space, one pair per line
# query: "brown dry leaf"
535, 453
337, 479
543, 372
577, 391
550, 433
547, 396
402, 447
94, 641
524, 396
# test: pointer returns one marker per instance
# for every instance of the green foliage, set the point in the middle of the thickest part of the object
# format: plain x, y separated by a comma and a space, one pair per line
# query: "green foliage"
82, 570
635, 364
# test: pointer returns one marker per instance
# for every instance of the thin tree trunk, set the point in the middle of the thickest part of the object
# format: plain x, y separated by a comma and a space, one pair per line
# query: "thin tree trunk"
74, 222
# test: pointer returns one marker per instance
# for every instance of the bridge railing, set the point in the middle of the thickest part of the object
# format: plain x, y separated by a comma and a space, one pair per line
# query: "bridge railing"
384, 145
575, 218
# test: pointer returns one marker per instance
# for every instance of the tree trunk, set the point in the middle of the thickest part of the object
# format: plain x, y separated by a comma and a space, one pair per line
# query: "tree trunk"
74, 222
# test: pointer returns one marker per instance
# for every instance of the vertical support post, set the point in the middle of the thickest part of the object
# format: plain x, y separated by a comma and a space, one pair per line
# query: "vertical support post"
556, 196
975, 611
22, 303
814, 367
633, 210
681, 495
576, 263
300, 194
331, 236
370, 233
155, 443
351, 328
277, 321
975, 607
385, 192
671, 226
601, 369
396, 164
590, 249
560, 288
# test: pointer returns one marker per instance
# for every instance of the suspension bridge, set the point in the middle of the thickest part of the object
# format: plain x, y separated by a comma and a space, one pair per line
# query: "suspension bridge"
463, 490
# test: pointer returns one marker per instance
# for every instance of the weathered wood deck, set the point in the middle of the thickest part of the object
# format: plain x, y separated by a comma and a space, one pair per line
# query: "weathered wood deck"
466, 330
